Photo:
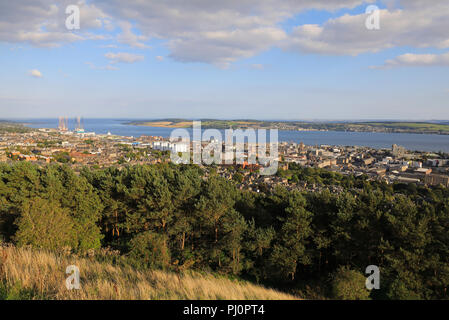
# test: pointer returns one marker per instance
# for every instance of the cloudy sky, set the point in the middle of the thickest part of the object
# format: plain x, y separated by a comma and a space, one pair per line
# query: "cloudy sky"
259, 59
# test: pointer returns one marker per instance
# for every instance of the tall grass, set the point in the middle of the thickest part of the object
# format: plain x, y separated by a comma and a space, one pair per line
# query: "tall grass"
36, 274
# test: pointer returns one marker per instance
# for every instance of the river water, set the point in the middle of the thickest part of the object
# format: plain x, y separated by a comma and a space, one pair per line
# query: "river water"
421, 142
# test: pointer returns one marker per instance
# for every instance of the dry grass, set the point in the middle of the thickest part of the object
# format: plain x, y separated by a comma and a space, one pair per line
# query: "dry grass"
44, 274
168, 124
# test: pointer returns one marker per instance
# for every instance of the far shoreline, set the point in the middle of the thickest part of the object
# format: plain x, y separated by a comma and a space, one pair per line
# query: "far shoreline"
370, 127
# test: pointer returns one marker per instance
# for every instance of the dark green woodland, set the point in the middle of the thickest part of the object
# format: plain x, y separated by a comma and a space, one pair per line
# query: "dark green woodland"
316, 245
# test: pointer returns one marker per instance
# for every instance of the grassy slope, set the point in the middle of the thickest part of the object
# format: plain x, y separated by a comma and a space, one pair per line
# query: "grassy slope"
34, 274
178, 123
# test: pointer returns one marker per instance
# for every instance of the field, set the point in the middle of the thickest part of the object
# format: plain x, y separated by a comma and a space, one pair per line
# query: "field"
168, 124
34, 274
205, 123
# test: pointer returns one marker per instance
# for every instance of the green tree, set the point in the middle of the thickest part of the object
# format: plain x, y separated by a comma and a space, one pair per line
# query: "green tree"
238, 177
349, 284
44, 224
149, 250
290, 250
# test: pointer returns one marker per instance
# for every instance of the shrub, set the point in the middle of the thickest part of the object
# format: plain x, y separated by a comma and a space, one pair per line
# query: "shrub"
17, 292
44, 224
149, 250
400, 291
349, 284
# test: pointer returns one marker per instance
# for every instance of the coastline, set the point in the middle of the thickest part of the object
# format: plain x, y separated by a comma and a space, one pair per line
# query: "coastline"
377, 140
346, 127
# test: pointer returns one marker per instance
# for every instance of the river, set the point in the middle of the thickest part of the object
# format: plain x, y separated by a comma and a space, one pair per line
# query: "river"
421, 142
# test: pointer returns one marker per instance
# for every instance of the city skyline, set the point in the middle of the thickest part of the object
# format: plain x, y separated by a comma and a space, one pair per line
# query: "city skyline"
279, 60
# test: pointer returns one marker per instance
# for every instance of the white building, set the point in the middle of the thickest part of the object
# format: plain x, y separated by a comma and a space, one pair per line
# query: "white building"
168, 146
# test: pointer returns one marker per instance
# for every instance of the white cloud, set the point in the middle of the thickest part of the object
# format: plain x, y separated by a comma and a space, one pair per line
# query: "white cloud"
417, 24
222, 48
128, 37
109, 46
221, 32
35, 73
107, 67
124, 57
417, 60
42, 22
160, 58
217, 32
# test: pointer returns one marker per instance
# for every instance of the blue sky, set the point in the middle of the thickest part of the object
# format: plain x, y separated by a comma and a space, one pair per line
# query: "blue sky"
307, 60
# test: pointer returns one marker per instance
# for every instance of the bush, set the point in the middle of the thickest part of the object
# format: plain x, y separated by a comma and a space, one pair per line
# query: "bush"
17, 292
349, 284
400, 291
44, 224
149, 250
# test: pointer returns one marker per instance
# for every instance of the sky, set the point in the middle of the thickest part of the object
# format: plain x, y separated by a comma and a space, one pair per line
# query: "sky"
233, 59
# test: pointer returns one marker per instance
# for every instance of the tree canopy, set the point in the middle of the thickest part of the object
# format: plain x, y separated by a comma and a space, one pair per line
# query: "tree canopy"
176, 217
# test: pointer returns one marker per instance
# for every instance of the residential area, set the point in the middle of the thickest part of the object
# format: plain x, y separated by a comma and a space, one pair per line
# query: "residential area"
79, 149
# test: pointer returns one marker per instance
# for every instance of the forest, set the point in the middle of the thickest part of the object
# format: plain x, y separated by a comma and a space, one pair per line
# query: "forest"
314, 245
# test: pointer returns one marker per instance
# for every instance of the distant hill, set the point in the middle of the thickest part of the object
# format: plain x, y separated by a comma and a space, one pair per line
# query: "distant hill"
372, 126
10, 127
34, 274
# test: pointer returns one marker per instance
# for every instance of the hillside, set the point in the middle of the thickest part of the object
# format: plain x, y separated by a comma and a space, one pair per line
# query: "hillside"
13, 127
168, 217
35, 274
383, 127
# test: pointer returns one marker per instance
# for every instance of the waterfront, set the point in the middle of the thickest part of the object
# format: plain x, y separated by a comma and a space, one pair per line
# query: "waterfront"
421, 142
